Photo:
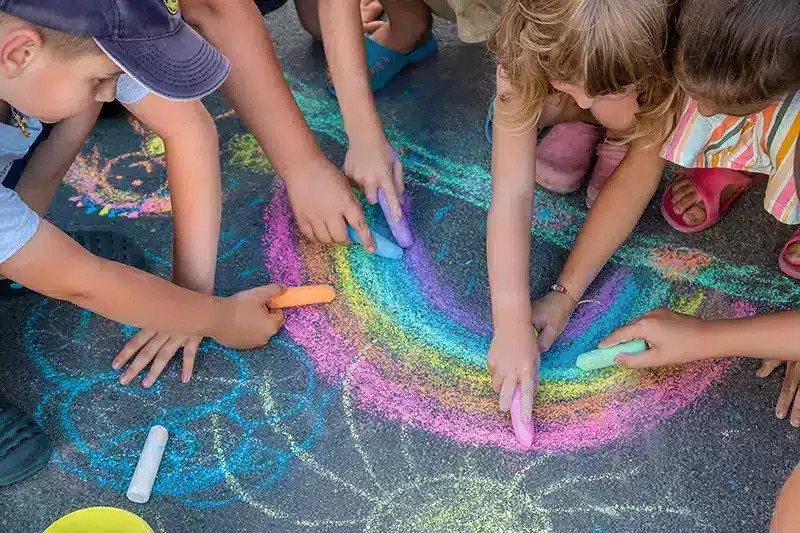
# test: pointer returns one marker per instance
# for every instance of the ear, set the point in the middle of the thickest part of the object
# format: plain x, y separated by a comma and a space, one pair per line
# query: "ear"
18, 48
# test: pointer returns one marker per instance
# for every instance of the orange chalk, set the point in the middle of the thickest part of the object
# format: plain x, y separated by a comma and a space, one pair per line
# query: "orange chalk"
308, 295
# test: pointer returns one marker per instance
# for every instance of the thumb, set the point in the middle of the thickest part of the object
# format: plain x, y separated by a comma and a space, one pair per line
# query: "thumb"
268, 291
648, 359
547, 337
623, 334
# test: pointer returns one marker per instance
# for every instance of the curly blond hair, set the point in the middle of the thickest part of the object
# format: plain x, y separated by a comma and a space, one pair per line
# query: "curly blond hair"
606, 46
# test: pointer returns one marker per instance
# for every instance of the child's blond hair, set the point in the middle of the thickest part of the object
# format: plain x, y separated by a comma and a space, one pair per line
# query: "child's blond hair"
64, 44
606, 46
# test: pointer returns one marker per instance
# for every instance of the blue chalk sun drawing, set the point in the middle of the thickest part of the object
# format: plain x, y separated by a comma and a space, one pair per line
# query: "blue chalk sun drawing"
230, 429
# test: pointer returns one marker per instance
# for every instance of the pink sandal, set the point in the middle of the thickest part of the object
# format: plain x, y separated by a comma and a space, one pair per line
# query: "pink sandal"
709, 184
565, 156
609, 157
793, 271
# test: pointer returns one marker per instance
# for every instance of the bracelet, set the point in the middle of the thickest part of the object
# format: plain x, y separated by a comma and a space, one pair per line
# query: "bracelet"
563, 290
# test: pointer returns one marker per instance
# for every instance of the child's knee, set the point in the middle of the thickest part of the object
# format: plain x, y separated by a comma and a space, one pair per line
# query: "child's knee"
308, 13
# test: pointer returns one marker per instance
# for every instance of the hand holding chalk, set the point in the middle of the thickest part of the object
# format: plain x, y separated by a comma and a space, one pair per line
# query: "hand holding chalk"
146, 469
525, 432
400, 229
298, 296
383, 246
604, 357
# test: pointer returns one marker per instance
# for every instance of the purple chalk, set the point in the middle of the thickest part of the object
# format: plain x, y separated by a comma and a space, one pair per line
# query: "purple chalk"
525, 432
400, 230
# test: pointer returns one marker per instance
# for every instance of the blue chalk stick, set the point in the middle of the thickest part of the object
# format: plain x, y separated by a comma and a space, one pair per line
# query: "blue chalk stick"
604, 357
383, 246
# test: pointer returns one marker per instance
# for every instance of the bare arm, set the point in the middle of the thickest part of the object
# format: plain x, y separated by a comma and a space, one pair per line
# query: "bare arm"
256, 87
613, 217
53, 264
509, 220
52, 159
193, 170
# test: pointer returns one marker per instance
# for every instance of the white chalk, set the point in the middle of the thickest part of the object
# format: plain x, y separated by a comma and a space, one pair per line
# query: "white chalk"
146, 469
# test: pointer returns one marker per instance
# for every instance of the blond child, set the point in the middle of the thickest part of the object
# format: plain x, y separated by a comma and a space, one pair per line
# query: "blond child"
597, 61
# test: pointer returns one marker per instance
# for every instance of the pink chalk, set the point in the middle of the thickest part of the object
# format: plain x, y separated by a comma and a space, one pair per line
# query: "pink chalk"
525, 432
400, 230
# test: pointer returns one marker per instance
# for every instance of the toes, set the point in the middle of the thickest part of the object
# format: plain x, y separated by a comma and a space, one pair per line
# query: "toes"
695, 215
793, 254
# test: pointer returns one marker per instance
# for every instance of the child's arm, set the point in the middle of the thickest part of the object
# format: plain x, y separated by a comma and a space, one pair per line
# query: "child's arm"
321, 196
610, 222
193, 170
370, 161
514, 353
53, 264
676, 339
53, 157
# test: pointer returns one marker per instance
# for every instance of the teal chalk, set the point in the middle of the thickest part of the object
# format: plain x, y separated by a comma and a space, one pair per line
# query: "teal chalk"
383, 246
604, 357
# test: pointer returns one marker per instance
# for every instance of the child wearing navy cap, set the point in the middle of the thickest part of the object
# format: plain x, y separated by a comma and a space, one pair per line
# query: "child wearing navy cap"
58, 62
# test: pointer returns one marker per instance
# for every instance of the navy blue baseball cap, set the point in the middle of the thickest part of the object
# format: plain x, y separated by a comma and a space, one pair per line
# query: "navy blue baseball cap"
146, 38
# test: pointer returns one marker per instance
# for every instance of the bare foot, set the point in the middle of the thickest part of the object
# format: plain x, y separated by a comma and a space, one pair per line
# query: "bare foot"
793, 253
687, 202
407, 27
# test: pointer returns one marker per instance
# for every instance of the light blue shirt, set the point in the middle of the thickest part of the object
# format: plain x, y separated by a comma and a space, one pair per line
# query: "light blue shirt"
18, 223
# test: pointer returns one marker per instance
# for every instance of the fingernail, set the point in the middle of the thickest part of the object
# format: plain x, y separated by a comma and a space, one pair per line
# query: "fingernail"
371, 249
123, 380
185, 377
147, 383
780, 415
115, 365
795, 423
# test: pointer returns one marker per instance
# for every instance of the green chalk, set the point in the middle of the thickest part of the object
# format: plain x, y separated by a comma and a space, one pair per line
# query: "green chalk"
604, 357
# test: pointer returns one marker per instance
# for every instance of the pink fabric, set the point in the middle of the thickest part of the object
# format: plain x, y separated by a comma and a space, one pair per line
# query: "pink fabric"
565, 156
609, 157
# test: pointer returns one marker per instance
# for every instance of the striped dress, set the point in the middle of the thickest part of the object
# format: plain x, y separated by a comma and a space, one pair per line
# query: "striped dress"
763, 143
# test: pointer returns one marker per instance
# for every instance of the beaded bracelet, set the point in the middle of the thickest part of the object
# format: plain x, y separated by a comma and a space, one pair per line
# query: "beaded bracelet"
563, 290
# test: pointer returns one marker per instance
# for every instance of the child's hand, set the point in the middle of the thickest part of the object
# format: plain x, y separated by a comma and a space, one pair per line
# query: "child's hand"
514, 358
372, 164
790, 390
158, 348
550, 316
246, 322
673, 339
323, 202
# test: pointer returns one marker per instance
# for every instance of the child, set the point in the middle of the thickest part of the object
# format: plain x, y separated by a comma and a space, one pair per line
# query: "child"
597, 61
321, 196
764, 140
47, 73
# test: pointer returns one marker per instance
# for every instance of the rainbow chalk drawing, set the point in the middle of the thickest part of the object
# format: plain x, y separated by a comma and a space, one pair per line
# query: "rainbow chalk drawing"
391, 375
604, 357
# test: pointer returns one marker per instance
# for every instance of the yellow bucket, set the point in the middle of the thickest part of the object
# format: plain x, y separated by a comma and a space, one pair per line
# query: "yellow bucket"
100, 520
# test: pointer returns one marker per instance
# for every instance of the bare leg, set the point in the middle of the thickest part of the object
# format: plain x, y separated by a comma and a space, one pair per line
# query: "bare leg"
787, 509
308, 13
409, 24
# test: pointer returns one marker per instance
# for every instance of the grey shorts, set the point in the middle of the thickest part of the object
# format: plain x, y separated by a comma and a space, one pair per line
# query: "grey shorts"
268, 6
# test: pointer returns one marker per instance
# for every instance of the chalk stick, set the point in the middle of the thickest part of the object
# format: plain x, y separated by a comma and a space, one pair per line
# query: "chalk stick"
146, 469
400, 230
604, 357
297, 296
383, 246
525, 432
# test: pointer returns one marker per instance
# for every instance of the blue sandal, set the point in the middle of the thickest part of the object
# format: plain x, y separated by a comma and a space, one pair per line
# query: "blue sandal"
385, 64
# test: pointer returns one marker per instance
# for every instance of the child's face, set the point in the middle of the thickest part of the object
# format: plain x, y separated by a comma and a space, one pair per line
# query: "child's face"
40, 83
616, 112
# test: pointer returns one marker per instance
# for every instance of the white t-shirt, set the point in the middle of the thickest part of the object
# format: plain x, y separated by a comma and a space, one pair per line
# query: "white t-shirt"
18, 223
